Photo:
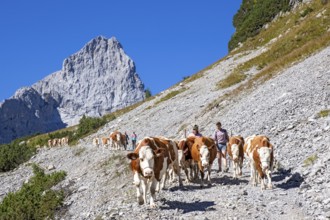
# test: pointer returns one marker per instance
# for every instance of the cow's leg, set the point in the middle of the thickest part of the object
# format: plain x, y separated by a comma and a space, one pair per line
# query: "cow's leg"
263, 183
240, 166
144, 185
187, 171
261, 177
253, 174
153, 186
177, 171
234, 169
163, 180
195, 170
157, 186
202, 178
163, 174
170, 173
269, 178
209, 174
137, 183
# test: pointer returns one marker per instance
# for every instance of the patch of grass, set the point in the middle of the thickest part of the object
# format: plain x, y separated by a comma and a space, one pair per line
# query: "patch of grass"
193, 77
98, 218
309, 36
279, 27
170, 95
324, 113
112, 160
14, 154
232, 79
36, 199
78, 151
188, 79
310, 160
306, 11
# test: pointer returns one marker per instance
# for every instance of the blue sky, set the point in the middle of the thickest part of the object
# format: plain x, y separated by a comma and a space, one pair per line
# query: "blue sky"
167, 40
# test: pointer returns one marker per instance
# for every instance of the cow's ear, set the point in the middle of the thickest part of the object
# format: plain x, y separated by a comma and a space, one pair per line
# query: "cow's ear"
159, 152
132, 156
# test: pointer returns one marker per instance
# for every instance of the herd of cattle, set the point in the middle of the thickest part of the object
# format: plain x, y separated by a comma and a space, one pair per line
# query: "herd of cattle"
157, 158
58, 142
115, 141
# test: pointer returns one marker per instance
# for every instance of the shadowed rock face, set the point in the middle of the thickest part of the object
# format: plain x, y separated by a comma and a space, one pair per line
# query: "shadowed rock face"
26, 113
98, 79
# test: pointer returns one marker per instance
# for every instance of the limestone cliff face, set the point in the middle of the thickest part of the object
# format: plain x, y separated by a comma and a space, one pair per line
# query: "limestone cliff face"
98, 79
28, 113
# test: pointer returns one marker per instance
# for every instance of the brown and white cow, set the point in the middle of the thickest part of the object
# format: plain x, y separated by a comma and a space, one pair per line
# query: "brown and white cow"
236, 153
173, 162
105, 141
96, 142
260, 152
118, 140
185, 158
204, 152
50, 143
149, 166
65, 141
56, 142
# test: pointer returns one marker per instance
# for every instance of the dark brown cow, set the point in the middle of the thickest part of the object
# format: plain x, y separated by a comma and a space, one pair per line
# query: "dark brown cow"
261, 154
236, 153
203, 153
185, 158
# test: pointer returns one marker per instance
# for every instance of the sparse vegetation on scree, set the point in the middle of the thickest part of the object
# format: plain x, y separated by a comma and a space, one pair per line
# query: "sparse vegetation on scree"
252, 16
36, 199
324, 113
13, 154
296, 38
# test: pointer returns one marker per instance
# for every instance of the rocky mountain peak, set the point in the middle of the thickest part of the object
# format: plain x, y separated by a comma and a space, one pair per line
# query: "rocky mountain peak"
98, 79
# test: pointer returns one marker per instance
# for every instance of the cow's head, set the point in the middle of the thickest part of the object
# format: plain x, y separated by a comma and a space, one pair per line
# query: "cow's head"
146, 156
265, 156
204, 150
235, 151
204, 153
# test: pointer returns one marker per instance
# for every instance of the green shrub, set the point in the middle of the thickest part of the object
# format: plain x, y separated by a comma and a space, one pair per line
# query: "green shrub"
170, 95
252, 16
306, 11
87, 125
147, 93
310, 35
310, 160
13, 154
36, 199
324, 113
231, 79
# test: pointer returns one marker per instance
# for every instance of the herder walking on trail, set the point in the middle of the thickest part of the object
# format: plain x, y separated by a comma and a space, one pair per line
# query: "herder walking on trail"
221, 138
134, 137
195, 132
